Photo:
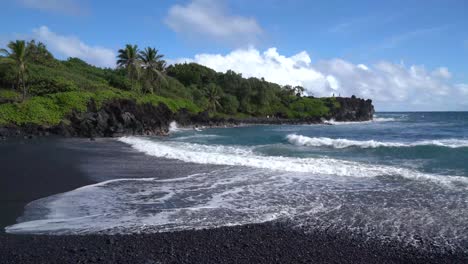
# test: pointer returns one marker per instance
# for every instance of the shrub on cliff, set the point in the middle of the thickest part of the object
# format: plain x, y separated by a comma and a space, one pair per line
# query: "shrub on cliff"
309, 107
9, 95
53, 108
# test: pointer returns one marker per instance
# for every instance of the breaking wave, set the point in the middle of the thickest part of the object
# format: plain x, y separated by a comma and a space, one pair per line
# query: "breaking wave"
376, 119
246, 156
309, 193
236, 195
300, 140
197, 136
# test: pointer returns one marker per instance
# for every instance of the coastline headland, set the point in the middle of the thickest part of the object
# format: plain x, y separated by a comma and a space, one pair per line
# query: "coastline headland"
126, 117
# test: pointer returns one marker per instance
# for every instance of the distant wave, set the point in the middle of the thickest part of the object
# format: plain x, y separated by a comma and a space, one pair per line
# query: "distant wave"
197, 136
385, 119
376, 119
245, 156
300, 140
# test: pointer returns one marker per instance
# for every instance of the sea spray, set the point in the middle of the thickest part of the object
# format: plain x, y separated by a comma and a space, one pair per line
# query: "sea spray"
173, 127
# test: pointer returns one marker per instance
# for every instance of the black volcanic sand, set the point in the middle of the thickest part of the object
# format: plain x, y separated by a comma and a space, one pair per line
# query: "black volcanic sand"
260, 243
31, 169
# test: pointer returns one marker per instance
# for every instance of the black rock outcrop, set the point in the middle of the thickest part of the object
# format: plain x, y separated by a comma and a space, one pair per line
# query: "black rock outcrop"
353, 109
117, 118
127, 117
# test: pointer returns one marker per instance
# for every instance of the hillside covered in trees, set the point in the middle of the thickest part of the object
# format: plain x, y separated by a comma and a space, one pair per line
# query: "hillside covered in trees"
36, 88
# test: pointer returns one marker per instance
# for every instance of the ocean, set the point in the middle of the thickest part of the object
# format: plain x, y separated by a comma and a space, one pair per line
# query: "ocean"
402, 177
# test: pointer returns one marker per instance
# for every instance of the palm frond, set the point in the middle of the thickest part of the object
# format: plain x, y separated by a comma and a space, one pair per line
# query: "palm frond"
4, 52
160, 76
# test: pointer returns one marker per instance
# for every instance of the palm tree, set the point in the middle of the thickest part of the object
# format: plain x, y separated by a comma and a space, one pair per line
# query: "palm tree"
213, 97
128, 58
18, 55
154, 66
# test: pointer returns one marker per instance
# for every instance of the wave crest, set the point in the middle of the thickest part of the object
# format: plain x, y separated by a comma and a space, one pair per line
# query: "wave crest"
376, 119
300, 140
246, 157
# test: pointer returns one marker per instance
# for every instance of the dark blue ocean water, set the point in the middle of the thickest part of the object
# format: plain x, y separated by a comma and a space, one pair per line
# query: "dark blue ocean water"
402, 177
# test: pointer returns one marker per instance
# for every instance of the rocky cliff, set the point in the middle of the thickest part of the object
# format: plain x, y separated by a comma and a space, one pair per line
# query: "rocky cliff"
353, 109
126, 117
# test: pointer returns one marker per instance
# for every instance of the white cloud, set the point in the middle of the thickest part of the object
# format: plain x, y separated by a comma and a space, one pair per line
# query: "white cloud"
210, 18
294, 70
391, 86
60, 6
442, 72
363, 67
463, 88
71, 46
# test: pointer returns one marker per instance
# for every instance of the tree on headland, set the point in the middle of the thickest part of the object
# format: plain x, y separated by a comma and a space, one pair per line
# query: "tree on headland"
213, 96
153, 66
129, 59
299, 90
18, 56
38, 53
54, 86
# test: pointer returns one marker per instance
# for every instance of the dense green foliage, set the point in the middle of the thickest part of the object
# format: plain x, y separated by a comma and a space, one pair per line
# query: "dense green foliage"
52, 108
16, 57
55, 88
230, 93
9, 95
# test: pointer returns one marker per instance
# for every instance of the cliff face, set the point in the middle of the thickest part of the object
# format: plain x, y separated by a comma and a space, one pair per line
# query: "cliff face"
353, 109
117, 118
126, 117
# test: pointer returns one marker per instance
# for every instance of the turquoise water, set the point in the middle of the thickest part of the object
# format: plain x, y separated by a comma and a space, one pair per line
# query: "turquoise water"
427, 142
402, 177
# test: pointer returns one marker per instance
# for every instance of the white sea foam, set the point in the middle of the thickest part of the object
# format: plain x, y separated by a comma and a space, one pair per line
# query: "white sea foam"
376, 119
239, 195
306, 191
300, 140
197, 136
245, 156
385, 119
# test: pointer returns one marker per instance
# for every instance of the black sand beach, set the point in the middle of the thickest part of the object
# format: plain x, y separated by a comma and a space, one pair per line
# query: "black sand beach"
261, 243
31, 169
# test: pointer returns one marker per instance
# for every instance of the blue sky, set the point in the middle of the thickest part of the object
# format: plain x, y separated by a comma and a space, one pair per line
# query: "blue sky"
406, 55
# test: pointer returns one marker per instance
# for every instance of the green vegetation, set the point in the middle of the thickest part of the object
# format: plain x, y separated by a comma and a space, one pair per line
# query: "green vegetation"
17, 56
52, 108
9, 95
39, 89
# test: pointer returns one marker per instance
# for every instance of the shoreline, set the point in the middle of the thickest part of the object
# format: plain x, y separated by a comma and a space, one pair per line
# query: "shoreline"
33, 131
15, 133
53, 167
127, 117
